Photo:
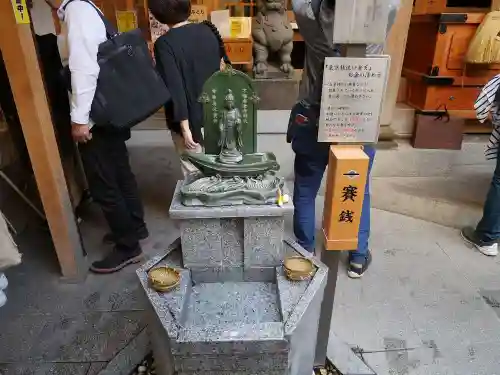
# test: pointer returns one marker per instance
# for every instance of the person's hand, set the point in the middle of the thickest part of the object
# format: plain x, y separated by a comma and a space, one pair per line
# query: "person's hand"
81, 133
188, 140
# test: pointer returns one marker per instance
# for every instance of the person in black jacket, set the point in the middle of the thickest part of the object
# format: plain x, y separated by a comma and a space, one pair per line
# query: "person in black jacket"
186, 56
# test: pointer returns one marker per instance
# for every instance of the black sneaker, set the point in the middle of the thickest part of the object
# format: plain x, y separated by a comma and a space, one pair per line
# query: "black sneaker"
356, 270
469, 235
110, 239
116, 260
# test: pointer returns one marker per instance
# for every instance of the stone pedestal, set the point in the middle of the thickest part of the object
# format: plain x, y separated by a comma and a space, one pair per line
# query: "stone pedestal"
234, 311
231, 243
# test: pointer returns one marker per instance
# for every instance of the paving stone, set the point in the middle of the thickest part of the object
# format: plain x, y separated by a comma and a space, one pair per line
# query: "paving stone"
18, 336
129, 357
45, 368
348, 363
492, 299
96, 367
454, 319
96, 336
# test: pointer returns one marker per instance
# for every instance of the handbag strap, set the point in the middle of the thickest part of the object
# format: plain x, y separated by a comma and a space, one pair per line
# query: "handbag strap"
222, 49
111, 31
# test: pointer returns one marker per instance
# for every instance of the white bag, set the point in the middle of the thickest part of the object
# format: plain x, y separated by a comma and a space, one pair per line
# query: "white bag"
9, 255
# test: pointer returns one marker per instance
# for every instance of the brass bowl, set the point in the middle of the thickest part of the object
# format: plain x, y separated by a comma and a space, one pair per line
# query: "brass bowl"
298, 268
164, 279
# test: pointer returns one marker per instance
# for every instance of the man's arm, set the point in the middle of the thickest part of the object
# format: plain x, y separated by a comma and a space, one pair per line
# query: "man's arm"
83, 45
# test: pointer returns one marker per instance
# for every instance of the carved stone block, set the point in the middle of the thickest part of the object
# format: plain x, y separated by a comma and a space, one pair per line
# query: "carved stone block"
202, 242
264, 241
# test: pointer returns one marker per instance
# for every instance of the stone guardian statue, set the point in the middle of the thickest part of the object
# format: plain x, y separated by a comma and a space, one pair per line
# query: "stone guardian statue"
272, 33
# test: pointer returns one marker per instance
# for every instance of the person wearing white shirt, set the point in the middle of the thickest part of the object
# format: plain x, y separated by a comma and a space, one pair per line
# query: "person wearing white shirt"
104, 153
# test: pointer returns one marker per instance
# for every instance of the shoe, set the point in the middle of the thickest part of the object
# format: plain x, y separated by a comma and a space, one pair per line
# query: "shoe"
356, 270
470, 236
3, 298
116, 260
3, 281
110, 239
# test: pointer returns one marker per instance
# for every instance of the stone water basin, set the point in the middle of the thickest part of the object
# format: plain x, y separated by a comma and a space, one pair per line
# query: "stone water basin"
234, 322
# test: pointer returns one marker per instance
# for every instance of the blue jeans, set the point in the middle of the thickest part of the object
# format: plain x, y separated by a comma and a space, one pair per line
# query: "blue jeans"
311, 159
488, 229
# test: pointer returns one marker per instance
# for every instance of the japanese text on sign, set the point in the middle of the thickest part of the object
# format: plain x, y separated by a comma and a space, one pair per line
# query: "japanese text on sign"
21, 11
198, 13
126, 20
353, 89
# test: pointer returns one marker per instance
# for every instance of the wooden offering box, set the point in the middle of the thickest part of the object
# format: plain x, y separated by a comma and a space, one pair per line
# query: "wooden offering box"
239, 50
443, 6
434, 66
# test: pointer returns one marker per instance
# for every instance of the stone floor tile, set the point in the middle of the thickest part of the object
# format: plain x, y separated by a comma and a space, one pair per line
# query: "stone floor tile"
400, 362
344, 358
96, 336
454, 318
45, 369
96, 367
18, 336
474, 359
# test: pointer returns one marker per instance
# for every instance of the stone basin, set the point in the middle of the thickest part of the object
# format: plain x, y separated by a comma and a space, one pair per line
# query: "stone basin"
234, 311
263, 324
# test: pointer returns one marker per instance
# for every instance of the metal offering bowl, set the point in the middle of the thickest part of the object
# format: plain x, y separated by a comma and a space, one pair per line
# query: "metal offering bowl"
164, 279
298, 268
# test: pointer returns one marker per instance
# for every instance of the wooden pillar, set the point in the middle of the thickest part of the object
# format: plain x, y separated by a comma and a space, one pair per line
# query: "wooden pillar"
396, 47
495, 5
18, 50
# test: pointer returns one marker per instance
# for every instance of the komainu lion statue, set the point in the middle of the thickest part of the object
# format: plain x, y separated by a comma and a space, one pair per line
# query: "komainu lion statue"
272, 33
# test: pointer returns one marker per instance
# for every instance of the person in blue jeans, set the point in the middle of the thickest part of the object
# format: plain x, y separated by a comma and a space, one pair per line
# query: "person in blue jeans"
311, 159
315, 21
486, 235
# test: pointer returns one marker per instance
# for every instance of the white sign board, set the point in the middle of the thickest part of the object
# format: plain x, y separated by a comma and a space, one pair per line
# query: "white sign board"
351, 100
361, 21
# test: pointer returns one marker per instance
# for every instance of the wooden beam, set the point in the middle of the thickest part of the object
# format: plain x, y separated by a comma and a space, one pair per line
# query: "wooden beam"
19, 53
396, 47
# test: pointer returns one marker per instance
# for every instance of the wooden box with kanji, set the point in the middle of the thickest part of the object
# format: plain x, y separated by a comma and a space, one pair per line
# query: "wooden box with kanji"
437, 75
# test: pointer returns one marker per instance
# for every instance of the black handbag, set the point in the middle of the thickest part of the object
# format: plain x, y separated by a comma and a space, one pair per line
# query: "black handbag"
129, 89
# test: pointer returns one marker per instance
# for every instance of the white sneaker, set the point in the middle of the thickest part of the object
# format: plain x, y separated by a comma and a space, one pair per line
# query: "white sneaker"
3, 298
3, 281
469, 236
490, 250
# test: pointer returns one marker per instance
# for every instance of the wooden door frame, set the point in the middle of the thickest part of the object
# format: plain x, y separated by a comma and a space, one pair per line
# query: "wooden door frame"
21, 61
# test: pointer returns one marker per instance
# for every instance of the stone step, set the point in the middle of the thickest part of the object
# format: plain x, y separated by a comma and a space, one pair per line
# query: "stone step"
451, 201
406, 161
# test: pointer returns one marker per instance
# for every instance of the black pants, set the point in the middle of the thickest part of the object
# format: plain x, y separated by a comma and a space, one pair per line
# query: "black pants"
113, 186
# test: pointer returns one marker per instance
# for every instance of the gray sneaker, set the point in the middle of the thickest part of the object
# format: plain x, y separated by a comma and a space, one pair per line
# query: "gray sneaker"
470, 236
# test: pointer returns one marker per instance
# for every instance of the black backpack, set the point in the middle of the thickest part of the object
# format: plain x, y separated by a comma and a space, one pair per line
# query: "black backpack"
129, 89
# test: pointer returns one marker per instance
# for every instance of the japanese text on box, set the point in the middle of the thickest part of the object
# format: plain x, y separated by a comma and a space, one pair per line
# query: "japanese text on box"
351, 101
